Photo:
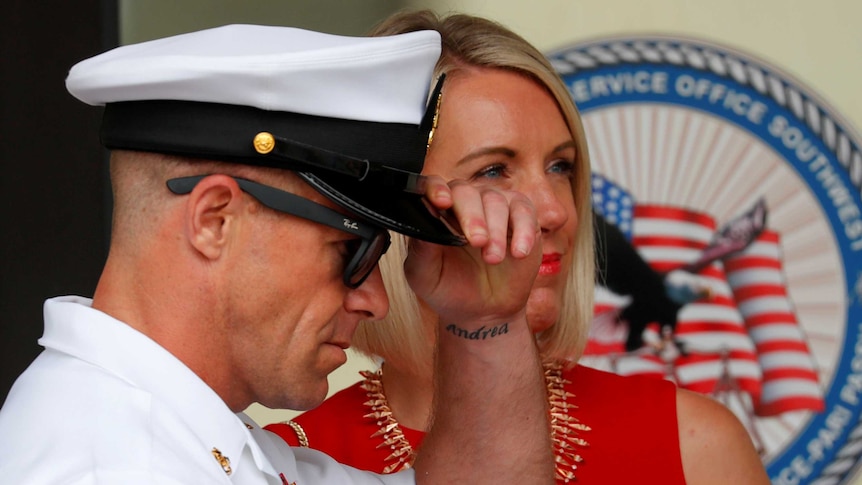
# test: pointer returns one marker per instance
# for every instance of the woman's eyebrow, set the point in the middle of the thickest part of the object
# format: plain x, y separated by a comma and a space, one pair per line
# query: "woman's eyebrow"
507, 152
565, 145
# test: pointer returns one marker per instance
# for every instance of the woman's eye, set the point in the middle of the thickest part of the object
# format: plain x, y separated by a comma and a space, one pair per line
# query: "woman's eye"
494, 171
564, 167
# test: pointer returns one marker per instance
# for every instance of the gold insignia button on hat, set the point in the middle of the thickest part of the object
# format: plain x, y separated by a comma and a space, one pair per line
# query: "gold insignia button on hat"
264, 142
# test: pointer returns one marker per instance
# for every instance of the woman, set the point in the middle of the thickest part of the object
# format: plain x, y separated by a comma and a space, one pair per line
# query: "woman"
505, 119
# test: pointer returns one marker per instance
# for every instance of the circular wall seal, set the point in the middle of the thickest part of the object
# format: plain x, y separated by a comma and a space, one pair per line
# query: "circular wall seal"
718, 134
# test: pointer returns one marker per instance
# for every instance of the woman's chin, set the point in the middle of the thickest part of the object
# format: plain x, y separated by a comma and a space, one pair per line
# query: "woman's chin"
543, 309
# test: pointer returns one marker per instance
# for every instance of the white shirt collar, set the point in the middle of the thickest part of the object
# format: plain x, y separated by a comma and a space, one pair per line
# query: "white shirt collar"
72, 326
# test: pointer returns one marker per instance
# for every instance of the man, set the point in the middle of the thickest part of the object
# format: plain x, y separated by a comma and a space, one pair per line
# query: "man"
256, 171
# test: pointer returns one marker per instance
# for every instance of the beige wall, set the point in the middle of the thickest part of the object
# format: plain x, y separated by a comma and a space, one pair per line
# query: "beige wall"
149, 19
817, 42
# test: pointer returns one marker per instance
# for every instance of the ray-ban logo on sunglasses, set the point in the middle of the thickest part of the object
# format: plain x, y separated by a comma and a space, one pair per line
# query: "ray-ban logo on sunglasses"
351, 225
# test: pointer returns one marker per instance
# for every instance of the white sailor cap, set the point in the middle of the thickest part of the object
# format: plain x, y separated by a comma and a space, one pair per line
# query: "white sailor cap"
349, 114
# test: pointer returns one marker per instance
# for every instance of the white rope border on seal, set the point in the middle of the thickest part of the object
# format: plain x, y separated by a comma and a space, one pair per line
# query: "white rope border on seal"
833, 133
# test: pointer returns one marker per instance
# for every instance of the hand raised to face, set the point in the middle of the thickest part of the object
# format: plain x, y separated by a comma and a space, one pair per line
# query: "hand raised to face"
488, 280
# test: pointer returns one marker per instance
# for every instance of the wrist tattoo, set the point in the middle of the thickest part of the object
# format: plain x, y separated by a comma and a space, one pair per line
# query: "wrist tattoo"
480, 333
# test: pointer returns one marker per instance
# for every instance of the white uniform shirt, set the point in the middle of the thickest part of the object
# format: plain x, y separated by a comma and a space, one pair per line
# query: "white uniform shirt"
104, 404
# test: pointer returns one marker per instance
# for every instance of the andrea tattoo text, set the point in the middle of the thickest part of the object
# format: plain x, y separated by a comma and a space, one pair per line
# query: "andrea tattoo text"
480, 333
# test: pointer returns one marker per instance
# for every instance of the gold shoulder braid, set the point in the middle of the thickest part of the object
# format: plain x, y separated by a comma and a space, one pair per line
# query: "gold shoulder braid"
300, 433
565, 429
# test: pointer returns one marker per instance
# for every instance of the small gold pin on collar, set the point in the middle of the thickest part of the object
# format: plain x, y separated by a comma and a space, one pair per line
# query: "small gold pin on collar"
263, 142
222, 460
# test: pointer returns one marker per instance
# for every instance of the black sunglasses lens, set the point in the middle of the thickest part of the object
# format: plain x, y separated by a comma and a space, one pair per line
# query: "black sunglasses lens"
365, 260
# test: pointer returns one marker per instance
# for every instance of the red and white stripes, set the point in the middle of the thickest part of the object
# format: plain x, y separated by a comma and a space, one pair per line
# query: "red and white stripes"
790, 380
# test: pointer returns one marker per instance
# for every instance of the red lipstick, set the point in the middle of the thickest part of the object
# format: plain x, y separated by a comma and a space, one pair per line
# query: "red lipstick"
551, 264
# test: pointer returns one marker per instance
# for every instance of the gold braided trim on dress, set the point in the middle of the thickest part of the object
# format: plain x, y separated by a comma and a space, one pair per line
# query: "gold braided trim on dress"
390, 432
565, 429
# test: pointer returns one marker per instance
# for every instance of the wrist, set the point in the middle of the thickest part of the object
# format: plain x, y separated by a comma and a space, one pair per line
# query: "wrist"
481, 333
488, 331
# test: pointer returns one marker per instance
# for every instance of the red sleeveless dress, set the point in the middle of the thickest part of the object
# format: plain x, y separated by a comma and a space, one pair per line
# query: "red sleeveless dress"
633, 436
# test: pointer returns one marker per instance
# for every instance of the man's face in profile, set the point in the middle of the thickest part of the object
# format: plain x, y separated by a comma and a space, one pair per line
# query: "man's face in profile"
291, 315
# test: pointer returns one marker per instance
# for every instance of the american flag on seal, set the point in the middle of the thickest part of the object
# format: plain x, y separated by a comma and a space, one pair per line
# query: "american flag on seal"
789, 372
605, 348
742, 337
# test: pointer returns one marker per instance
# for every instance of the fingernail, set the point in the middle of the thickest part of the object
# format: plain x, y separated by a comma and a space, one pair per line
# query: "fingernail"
478, 232
493, 252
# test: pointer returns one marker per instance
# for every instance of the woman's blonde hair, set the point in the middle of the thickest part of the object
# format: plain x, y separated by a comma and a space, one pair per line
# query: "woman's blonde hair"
470, 41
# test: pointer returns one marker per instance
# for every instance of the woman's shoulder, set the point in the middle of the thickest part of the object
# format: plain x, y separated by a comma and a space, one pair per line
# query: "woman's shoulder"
714, 443
689, 431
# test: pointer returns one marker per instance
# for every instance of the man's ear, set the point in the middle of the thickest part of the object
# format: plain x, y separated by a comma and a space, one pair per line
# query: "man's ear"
211, 213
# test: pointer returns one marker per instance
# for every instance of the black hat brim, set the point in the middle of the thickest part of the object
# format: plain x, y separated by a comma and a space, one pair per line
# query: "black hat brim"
396, 210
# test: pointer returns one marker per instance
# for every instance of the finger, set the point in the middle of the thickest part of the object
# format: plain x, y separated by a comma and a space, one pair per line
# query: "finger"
525, 228
469, 210
497, 218
437, 192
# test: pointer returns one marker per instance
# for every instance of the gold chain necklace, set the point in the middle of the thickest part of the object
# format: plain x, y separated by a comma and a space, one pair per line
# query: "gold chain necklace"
565, 429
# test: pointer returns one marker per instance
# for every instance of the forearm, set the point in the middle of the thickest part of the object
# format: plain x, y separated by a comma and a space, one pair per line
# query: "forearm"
490, 420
